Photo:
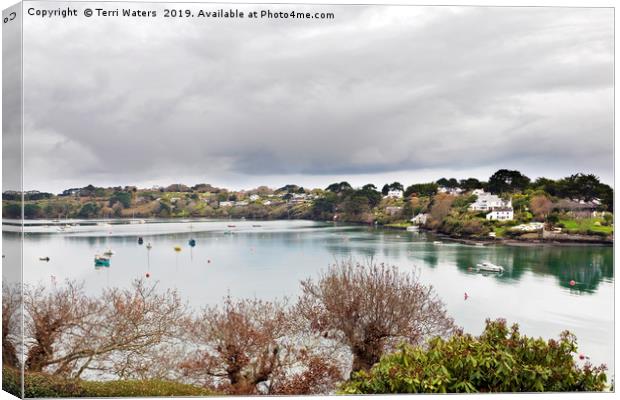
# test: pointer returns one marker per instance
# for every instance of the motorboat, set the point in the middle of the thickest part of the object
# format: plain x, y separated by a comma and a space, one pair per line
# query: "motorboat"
413, 228
489, 267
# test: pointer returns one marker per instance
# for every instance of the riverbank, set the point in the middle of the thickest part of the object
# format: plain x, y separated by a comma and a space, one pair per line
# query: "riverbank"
545, 238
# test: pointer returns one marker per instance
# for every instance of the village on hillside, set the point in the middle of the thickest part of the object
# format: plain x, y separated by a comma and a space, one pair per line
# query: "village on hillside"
509, 204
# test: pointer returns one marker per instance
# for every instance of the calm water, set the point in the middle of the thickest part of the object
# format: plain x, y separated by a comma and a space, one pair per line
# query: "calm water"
269, 260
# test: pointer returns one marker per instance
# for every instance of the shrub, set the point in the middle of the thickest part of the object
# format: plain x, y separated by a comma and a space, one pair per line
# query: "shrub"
43, 385
500, 360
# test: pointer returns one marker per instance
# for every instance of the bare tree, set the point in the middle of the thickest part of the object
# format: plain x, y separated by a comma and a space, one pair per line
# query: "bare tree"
440, 208
11, 323
371, 309
118, 332
541, 206
246, 347
50, 315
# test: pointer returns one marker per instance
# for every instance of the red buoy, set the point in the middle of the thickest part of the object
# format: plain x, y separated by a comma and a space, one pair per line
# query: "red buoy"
148, 275
582, 357
209, 261
572, 282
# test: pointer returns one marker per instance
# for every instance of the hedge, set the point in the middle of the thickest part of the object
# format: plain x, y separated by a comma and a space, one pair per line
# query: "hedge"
44, 385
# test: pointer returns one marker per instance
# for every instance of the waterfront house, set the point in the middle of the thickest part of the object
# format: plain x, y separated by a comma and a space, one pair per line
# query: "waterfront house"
226, 203
419, 219
254, 197
501, 214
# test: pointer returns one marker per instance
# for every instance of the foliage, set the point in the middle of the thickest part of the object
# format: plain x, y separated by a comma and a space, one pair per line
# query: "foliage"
422, 189
38, 385
499, 360
504, 181
123, 198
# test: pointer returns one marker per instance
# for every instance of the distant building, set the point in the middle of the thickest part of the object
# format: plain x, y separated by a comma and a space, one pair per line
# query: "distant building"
241, 203
254, 197
453, 191
226, 203
395, 194
501, 214
488, 202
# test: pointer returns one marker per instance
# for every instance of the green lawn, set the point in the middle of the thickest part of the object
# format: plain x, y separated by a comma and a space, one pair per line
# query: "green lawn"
586, 224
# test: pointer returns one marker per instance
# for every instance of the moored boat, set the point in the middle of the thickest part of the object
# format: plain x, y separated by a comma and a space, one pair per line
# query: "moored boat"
489, 267
102, 261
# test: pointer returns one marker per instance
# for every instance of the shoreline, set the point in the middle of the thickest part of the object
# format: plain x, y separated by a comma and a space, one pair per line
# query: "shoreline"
555, 241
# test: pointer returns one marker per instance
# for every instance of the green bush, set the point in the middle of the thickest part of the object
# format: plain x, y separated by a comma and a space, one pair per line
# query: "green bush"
43, 385
500, 360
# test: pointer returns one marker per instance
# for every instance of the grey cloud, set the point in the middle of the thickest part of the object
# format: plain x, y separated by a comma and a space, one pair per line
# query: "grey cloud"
379, 90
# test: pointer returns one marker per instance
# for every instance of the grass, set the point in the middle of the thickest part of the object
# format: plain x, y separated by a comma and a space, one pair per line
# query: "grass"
401, 224
501, 230
44, 385
586, 226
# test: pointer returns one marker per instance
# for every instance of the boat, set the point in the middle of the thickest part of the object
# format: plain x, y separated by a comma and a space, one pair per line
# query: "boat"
413, 228
102, 261
436, 242
480, 244
41, 258
177, 248
256, 226
192, 242
108, 253
140, 240
149, 246
232, 226
489, 267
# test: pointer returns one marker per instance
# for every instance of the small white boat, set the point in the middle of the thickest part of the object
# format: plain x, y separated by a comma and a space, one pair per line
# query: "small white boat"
489, 267
436, 242
149, 246
413, 228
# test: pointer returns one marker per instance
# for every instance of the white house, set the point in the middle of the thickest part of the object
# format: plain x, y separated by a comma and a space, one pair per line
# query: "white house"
254, 197
419, 219
488, 202
501, 214
226, 203
452, 191
241, 203
395, 194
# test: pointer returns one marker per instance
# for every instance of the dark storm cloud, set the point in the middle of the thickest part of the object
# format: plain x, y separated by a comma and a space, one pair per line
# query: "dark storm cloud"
380, 90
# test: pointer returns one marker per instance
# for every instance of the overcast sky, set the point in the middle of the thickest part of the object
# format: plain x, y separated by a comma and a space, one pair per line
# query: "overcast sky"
377, 95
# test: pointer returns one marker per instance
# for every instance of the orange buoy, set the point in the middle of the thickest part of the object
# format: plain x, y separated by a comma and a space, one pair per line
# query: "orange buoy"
572, 282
